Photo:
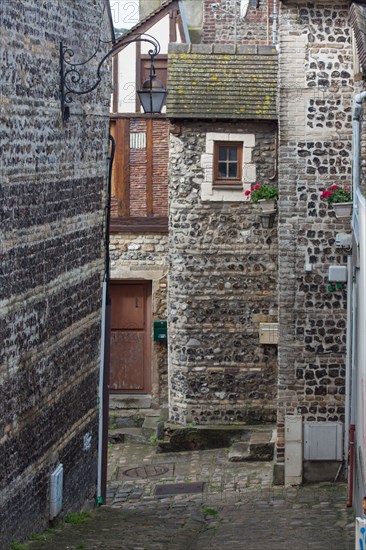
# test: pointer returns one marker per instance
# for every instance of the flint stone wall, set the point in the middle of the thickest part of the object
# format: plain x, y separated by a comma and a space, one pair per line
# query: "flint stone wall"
222, 284
224, 23
316, 91
53, 181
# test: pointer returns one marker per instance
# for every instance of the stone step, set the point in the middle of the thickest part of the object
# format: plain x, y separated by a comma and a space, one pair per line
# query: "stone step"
126, 401
126, 435
260, 447
130, 418
125, 421
150, 426
259, 438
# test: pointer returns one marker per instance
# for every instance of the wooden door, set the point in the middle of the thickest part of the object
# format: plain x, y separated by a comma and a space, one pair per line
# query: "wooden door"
130, 369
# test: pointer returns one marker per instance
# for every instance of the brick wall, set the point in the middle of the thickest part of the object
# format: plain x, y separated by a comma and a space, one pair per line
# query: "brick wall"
222, 284
160, 152
316, 87
140, 159
53, 179
223, 23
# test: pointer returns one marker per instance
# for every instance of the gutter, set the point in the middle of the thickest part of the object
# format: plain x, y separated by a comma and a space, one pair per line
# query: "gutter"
103, 395
184, 21
356, 160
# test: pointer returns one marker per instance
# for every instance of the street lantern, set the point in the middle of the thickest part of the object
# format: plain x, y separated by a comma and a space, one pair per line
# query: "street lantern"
152, 95
267, 218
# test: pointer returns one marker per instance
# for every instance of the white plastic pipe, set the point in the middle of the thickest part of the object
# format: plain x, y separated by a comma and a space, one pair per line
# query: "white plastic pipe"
349, 333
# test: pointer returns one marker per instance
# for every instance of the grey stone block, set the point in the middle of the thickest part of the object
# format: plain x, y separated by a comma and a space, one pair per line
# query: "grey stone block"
239, 452
267, 50
278, 474
224, 48
178, 48
202, 48
248, 50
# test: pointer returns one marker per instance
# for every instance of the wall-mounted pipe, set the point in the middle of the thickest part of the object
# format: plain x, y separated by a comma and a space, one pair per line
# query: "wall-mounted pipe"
347, 420
103, 396
351, 464
275, 168
356, 148
274, 31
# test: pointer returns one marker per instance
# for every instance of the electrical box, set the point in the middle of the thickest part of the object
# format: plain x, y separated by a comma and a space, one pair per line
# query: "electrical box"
323, 440
344, 240
56, 486
337, 274
160, 331
293, 449
268, 333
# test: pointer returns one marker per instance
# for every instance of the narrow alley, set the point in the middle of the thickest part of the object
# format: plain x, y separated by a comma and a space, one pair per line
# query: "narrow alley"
217, 505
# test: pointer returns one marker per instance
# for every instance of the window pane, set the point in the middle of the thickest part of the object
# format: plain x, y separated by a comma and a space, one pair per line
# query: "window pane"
222, 152
233, 169
233, 153
222, 170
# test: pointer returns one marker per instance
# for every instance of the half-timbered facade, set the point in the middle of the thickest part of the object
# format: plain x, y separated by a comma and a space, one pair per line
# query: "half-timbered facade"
139, 222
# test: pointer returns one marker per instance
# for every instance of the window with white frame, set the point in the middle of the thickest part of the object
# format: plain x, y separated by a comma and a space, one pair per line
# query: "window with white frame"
228, 166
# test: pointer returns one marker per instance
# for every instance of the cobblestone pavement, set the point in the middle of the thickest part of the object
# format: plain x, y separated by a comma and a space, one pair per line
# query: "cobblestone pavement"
237, 509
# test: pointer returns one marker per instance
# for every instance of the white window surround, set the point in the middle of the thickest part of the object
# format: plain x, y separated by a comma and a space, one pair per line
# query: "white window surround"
208, 191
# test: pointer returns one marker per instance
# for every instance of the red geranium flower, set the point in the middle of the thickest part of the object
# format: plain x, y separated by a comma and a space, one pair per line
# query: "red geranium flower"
247, 192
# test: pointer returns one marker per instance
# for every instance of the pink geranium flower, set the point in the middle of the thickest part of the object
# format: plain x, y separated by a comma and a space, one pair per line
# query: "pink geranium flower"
336, 194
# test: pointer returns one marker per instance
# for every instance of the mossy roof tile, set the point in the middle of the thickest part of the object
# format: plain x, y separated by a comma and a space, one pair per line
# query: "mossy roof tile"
226, 86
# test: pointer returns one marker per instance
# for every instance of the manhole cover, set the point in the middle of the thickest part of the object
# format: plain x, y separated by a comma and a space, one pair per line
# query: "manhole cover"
179, 488
143, 472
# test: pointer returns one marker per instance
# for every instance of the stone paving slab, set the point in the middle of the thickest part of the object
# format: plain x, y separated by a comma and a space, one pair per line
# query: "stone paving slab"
239, 509
302, 523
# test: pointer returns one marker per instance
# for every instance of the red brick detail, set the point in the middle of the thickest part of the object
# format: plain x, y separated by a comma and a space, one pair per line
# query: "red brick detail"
160, 167
138, 172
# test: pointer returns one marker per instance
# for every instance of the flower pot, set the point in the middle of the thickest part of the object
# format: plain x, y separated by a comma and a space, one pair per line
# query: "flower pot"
342, 209
267, 204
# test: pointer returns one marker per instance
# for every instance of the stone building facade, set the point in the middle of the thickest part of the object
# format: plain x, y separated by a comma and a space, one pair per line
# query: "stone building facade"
238, 22
144, 257
139, 218
222, 263
315, 94
227, 274
53, 190
315, 121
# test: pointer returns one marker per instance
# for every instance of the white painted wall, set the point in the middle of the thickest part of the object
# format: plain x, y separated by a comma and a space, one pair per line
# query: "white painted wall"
127, 79
359, 385
127, 64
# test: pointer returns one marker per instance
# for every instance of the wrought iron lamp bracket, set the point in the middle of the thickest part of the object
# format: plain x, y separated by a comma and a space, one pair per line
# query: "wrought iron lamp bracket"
71, 80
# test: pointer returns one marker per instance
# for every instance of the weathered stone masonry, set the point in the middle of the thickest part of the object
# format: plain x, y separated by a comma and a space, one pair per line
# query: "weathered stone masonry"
53, 179
316, 87
146, 257
225, 24
222, 284
143, 255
